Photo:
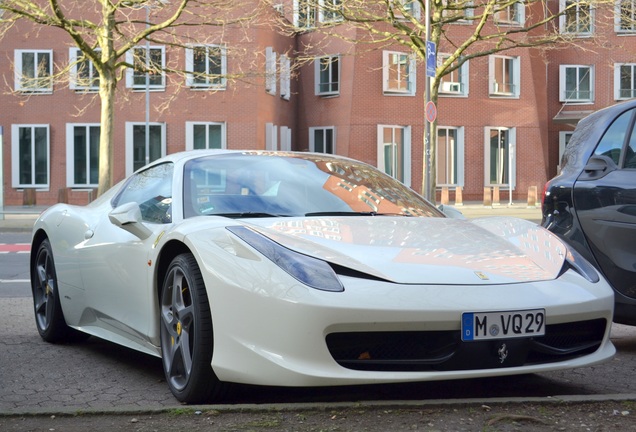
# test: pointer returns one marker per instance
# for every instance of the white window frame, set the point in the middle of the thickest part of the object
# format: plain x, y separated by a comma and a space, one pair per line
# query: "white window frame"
15, 158
130, 72
512, 15
312, 138
70, 155
515, 69
456, 83
410, 78
130, 144
411, 7
209, 83
563, 95
617, 81
459, 156
630, 27
327, 11
333, 86
285, 76
189, 144
310, 11
75, 55
563, 28
18, 75
406, 130
512, 159
270, 70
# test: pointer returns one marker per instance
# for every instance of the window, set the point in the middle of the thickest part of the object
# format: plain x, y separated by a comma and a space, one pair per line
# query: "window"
206, 66
84, 75
327, 75
450, 156
30, 156
504, 76
205, 135
406, 9
152, 189
270, 71
322, 139
564, 140
613, 140
511, 14
624, 81
33, 70
458, 11
82, 155
398, 73
454, 83
499, 156
285, 77
577, 17
625, 16
136, 77
139, 151
305, 14
576, 83
330, 11
394, 152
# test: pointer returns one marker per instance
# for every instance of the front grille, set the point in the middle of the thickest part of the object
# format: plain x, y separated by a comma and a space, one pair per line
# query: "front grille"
444, 350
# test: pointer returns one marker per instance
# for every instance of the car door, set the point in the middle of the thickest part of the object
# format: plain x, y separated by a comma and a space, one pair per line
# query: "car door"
115, 263
604, 198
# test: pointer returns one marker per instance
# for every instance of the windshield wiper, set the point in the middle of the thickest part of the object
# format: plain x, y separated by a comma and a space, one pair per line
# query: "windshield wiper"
345, 213
240, 215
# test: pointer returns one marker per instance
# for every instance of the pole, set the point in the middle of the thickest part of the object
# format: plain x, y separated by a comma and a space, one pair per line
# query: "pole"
147, 142
1, 174
427, 125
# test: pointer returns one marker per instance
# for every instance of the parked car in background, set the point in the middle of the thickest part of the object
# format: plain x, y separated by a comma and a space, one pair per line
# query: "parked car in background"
303, 269
591, 204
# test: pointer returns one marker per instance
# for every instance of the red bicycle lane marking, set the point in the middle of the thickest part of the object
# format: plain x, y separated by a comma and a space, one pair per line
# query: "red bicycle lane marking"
19, 247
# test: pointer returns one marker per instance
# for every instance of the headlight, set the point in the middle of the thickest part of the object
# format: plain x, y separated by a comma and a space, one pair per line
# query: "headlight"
310, 271
575, 261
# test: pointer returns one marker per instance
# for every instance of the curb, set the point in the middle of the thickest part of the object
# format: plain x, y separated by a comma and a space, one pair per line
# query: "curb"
321, 406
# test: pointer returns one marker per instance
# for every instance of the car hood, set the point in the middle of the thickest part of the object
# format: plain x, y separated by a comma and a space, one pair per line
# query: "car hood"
418, 250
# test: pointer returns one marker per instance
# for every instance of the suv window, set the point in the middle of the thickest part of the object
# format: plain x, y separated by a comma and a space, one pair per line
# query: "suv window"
612, 142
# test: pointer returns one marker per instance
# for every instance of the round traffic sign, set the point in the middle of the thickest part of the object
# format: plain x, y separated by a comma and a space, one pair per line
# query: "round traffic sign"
430, 111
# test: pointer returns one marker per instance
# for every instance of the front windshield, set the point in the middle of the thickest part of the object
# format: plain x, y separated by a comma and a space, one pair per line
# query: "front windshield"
294, 184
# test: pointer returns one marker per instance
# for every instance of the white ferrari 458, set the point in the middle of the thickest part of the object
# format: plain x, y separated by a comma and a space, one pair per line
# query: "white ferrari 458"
304, 269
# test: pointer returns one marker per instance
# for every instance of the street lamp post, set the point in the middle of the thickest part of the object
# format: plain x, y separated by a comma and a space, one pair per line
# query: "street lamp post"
147, 141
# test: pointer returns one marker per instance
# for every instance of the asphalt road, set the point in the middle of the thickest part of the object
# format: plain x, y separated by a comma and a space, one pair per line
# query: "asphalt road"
96, 375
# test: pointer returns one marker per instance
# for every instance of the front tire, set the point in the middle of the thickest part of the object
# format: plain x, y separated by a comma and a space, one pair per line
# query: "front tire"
49, 318
186, 334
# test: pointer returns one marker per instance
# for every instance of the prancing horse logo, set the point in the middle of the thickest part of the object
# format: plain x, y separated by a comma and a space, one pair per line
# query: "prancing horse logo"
502, 352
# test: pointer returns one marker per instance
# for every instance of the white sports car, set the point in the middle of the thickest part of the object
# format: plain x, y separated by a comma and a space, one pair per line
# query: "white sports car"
302, 269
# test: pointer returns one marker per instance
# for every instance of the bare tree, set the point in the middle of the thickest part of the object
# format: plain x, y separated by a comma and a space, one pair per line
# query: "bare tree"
107, 32
495, 26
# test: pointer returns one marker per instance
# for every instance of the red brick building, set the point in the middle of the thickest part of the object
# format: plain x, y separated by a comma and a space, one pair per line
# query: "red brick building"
502, 120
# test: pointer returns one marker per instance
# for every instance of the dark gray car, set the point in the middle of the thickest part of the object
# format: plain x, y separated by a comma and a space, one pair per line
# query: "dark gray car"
591, 204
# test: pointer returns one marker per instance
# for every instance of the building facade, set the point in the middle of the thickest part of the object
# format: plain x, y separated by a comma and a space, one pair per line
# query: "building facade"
502, 120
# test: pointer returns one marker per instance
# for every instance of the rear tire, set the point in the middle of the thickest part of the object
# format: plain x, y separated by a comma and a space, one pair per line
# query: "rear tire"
186, 334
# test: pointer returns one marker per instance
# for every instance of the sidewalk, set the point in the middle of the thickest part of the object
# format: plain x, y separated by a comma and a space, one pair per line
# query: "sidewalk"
21, 218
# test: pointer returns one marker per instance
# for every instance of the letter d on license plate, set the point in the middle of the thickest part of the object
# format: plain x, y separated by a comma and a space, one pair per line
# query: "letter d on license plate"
503, 325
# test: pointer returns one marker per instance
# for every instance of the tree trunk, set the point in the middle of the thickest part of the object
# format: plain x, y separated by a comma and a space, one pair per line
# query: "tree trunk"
107, 85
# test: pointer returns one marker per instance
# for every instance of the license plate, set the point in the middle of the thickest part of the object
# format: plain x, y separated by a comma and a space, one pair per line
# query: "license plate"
503, 325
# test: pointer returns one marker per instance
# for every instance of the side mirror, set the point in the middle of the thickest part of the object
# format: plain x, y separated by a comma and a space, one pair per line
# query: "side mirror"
128, 217
451, 212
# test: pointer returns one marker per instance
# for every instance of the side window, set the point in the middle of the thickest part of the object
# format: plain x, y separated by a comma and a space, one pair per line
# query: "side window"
152, 190
612, 142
